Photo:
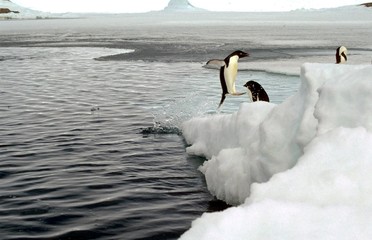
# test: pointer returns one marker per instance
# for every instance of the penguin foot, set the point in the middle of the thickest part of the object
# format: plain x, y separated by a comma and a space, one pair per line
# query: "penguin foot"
237, 94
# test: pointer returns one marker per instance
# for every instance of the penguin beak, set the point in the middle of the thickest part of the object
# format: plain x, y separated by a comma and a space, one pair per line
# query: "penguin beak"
244, 54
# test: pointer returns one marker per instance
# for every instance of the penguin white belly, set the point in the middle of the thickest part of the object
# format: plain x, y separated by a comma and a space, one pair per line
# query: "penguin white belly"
230, 75
250, 96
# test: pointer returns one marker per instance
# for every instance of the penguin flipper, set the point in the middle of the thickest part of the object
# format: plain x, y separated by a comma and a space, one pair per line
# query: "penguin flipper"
222, 99
214, 63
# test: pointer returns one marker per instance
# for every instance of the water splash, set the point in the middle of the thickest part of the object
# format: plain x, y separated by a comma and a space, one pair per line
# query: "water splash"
168, 119
158, 128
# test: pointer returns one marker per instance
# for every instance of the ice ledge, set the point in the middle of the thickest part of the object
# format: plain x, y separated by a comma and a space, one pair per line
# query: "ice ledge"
262, 139
324, 189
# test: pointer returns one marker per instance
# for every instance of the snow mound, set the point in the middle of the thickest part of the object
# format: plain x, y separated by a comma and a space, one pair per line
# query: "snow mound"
300, 169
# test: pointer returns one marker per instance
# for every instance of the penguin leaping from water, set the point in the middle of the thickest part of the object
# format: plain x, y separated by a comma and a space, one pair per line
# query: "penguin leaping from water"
341, 55
256, 92
228, 72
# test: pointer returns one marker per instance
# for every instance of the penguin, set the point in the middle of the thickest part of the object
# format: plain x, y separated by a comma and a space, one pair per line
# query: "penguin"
341, 55
256, 92
228, 74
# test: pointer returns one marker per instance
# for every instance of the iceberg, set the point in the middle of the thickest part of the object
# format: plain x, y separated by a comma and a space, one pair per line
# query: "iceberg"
295, 170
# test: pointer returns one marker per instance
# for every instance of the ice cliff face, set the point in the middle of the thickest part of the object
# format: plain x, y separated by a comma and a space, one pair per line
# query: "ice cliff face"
262, 139
181, 5
7, 10
369, 4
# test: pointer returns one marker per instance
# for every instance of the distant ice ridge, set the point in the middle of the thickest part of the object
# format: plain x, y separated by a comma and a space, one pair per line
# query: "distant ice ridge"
300, 169
181, 5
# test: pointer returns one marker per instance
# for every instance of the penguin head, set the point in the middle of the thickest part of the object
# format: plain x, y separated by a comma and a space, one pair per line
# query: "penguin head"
341, 55
239, 54
253, 86
235, 55
256, 91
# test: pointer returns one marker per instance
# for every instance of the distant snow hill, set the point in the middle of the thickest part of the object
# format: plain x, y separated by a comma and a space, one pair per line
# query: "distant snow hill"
10, 10
181, 5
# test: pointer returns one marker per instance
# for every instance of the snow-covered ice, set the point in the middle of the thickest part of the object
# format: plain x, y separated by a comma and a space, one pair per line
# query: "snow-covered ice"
299, 169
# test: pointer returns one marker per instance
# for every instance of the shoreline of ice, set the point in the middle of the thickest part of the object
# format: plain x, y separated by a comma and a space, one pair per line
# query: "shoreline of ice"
307, 158
292, 66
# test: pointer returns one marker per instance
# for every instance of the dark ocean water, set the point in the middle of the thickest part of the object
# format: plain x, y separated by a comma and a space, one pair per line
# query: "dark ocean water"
90, 141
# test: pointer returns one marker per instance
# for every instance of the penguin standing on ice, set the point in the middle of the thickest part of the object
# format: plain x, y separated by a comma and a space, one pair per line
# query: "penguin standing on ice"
341, 55
228, 72
256, 92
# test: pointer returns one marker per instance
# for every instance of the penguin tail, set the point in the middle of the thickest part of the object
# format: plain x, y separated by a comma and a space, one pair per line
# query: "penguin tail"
222, 100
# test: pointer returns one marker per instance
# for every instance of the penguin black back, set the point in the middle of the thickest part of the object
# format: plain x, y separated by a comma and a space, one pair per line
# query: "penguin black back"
256, 91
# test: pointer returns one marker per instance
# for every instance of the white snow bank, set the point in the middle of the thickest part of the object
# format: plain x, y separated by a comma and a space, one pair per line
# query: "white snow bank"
334, 170
313, 152
281, 220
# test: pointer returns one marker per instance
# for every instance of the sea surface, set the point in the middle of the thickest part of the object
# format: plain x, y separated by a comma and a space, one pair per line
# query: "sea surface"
90, 126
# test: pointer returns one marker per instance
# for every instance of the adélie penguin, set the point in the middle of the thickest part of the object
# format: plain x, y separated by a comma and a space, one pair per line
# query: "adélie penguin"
256, 92
228, 72
341, 55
